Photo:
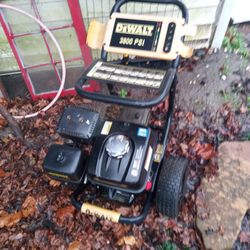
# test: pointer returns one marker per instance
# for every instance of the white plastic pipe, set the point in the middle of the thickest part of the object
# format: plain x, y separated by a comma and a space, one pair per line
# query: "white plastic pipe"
63, 77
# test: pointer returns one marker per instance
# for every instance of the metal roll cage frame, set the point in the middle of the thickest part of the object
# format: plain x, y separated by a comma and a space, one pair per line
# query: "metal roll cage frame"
169, 87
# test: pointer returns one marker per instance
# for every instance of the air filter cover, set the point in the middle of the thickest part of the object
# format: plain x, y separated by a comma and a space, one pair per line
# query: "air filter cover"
78, 123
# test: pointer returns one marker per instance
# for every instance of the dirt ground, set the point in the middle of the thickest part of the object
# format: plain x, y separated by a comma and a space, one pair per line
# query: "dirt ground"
212, 81
218, 78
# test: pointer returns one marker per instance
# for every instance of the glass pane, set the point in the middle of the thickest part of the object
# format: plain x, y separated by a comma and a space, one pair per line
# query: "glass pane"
7, 60
43, 79
19, 23
54, 13
32, 49
8, 64
68, 42
74, 71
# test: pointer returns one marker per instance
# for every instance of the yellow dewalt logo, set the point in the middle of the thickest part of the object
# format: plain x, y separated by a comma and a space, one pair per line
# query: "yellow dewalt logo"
99, 212
134, 29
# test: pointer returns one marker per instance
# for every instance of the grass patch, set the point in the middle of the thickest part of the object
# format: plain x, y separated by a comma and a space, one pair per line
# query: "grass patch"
231, 98
234, 42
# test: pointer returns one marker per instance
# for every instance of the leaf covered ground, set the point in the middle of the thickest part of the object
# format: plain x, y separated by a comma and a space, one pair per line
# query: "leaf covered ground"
36, 213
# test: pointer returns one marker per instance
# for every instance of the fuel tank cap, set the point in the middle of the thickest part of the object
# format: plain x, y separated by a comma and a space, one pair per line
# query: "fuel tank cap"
117, 146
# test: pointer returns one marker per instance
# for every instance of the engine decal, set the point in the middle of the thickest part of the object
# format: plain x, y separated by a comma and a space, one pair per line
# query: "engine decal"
148, 159
106, 128
137, 162
143, 132
99, 212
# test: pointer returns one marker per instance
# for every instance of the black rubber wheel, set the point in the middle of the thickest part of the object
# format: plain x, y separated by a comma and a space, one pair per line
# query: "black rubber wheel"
172, 186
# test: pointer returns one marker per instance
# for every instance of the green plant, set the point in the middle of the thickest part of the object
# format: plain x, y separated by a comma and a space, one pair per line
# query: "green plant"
123, 93
224, 69
226, 96
244, 64
232, 98
246, 137
168, 245
234, 42
248, 103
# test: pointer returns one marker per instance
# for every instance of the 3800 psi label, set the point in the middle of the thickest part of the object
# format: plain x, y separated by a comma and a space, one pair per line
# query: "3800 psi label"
136, 34
132, 41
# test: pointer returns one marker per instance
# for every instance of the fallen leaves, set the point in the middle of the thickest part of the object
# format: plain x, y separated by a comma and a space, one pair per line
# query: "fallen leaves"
189, 116
65, 212
230, 126
127, 240
8, 220
58, 223
184, 148
75, 245
3, 101
206, 151
3, 122
16, 237
28, 208
54, 183
2, 173
124, 210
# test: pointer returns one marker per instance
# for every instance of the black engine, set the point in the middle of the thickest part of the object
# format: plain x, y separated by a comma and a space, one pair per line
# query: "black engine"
120, 160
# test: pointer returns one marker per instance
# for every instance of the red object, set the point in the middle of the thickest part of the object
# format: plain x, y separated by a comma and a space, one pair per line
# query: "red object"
9, 36
77, 23
148, 186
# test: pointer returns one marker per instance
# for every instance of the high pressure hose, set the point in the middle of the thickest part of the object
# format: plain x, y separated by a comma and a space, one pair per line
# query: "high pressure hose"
63, 77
